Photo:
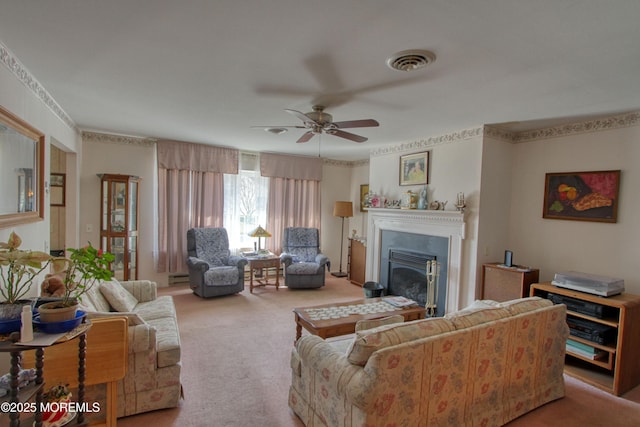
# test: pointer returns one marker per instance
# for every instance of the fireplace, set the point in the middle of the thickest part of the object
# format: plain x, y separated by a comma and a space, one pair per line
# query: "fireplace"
403, 265
407, 275
422, 235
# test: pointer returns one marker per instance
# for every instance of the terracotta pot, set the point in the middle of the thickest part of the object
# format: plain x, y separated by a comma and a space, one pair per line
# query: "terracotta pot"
56, 312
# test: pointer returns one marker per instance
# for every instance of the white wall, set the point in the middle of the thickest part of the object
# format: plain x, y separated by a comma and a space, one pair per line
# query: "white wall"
453, 167
494, 205
359, 176
127, 159
26, 104
336, 186
558, 245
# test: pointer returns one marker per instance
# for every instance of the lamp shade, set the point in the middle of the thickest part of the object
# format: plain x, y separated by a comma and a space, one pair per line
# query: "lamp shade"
343, 209
259, 232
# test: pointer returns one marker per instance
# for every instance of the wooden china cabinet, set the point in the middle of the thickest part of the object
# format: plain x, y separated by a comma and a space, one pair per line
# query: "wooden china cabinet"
119, 223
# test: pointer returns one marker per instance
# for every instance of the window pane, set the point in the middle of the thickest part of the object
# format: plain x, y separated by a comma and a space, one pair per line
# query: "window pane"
245, 207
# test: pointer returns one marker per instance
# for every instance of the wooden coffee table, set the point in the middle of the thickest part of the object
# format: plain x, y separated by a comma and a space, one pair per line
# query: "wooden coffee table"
314, 319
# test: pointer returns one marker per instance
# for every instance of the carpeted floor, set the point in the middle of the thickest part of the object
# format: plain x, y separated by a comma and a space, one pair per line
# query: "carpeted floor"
235, 366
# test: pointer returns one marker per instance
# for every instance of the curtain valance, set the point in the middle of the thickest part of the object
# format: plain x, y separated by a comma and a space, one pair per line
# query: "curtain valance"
292, 167
196, 157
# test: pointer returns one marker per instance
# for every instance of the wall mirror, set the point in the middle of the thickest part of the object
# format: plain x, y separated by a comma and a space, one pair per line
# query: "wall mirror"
21, 171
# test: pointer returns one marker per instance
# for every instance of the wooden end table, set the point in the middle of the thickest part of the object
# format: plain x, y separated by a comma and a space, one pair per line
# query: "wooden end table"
326, 328
264, 265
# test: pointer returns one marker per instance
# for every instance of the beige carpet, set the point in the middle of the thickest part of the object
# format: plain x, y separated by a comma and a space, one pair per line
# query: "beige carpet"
235, 359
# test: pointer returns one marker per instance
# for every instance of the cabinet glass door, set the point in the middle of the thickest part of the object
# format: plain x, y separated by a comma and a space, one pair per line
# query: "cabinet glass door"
118, 200
133, 206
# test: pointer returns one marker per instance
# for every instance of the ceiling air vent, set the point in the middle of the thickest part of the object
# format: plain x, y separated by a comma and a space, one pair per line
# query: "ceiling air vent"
410, 60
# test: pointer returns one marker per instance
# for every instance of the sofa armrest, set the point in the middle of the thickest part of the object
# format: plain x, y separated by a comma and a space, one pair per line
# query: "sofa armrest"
141, 338
322, 259
133, 319
197, 264
237, 261
286, 259
329, 364
143, 290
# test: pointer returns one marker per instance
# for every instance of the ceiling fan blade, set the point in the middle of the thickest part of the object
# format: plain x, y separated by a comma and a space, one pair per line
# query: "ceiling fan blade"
347, 135
270, 127
301, 116
356, 124
305, 137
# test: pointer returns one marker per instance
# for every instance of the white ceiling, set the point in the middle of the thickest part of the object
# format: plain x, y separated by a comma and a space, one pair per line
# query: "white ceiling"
206, 71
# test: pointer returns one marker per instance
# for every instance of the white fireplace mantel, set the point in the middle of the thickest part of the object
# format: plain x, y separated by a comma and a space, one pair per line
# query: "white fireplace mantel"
447, 224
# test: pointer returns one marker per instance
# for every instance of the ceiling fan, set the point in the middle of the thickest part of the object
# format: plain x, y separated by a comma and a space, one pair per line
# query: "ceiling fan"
317, 122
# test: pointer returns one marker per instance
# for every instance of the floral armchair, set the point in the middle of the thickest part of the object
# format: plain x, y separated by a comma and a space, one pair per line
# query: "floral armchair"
213, 271
304, 264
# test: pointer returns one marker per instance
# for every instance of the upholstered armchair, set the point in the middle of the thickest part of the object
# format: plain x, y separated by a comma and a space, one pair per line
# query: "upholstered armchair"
213, 271
303, 262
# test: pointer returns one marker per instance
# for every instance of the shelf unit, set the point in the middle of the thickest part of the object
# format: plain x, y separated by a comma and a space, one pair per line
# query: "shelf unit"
119, 223
35, 390
502, 283
618, 370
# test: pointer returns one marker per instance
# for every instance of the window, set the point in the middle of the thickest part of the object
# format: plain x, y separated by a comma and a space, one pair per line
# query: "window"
245, 202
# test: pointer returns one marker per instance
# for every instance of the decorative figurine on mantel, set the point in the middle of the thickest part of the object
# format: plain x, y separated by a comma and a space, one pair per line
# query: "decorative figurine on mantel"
422, 200
460, 205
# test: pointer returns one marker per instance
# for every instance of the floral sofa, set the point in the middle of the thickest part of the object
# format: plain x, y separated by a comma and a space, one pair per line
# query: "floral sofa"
153, 371
482, 366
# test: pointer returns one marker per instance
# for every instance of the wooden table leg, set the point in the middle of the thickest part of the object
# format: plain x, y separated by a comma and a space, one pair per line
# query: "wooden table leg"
298, 329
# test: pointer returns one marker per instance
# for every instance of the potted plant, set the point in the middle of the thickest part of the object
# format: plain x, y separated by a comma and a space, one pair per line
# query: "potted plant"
18, 268
71, 278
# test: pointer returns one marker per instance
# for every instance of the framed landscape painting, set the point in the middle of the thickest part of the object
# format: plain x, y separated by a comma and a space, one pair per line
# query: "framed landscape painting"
582, 196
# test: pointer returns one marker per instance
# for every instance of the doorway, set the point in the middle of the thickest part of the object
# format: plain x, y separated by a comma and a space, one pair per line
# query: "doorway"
57, 201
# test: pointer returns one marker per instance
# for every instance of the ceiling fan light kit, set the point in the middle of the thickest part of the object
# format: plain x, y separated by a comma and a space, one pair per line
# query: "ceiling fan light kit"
318, 122
410, 60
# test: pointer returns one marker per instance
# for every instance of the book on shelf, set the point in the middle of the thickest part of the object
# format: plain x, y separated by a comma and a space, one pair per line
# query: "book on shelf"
584, 350
398, 301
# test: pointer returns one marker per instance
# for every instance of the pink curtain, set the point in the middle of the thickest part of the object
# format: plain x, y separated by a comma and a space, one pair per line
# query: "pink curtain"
292, 203
188, 196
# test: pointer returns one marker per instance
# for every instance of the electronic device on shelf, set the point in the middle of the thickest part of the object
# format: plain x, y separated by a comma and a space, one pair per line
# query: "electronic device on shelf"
580, 306
592, 331
589, 283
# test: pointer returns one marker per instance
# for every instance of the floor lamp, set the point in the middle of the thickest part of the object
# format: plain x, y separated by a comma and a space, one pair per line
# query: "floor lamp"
343, 210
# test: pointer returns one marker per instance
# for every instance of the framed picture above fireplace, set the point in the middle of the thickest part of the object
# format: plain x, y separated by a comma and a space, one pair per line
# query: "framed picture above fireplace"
414, 169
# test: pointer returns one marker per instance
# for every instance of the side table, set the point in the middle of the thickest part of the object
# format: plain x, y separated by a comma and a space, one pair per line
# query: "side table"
263, 266
20, 396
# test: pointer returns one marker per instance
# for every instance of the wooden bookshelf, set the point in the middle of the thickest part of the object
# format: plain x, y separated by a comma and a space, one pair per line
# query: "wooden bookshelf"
618, 371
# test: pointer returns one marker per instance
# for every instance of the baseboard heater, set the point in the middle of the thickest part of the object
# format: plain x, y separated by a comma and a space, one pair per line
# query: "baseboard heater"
178, 279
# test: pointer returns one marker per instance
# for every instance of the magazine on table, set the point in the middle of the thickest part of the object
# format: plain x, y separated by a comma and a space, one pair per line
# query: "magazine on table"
398, 301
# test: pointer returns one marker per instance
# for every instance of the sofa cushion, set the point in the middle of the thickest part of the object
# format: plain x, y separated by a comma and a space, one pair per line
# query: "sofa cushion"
93, 300
369, 341
476, 315
221, 276
524, 305
362, 325
160, 307
303, 268
119, 298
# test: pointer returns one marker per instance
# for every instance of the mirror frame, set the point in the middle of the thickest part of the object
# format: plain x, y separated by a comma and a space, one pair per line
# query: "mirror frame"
14, 122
